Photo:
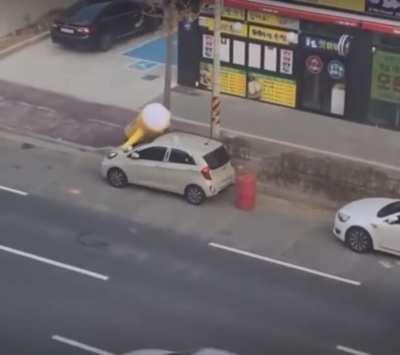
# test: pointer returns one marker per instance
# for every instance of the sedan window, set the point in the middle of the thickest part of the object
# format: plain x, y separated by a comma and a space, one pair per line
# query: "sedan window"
390, 209
153, 153
118, 9
180, 157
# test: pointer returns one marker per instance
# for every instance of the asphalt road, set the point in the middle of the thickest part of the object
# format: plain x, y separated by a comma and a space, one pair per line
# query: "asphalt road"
162, 291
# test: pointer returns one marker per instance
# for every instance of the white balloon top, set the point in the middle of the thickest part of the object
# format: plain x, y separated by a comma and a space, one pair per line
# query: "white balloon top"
156, 117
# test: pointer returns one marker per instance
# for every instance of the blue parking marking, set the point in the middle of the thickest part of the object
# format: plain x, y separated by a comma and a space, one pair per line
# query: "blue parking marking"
143, 65
153, 51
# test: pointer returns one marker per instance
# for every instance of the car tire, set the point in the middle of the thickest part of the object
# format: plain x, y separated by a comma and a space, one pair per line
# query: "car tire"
106, 42
359, 240
194, 195
117, 178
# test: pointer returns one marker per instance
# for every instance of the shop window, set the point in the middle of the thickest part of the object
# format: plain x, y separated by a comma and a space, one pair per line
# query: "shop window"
239, 52
225, 54
270, 58
254, 55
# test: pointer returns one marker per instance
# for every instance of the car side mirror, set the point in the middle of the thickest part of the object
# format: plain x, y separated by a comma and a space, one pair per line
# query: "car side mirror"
133, 155
392, 219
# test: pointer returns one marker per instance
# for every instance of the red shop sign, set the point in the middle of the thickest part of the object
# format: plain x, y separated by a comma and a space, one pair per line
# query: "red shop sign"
314, 64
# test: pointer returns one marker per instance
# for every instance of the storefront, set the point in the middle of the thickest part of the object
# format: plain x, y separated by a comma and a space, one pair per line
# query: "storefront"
258, 55
324, 63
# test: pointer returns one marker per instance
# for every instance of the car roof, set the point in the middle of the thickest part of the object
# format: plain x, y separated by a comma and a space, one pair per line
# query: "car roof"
189, 142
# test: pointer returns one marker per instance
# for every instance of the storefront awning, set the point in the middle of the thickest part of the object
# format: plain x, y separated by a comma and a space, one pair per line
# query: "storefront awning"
319, 15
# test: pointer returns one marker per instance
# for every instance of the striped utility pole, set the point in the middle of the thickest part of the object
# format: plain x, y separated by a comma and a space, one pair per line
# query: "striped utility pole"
215, 124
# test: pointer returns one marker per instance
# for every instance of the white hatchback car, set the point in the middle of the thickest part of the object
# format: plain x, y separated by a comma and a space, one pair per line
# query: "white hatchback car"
370, 224
193, 166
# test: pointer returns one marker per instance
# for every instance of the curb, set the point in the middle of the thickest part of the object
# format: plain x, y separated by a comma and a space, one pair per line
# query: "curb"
44, 141
21, 45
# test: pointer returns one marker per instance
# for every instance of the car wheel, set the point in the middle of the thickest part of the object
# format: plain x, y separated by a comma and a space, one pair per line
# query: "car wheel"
106, 41
117, 178
359, 240
194, 195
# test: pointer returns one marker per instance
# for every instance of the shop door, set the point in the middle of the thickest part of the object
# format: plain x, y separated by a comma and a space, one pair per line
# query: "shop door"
323, 83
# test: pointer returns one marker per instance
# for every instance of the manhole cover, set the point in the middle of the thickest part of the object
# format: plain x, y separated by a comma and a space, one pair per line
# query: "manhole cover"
150, 77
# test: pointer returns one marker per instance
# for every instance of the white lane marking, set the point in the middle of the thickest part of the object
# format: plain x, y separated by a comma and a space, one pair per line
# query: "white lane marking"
350, 350
54, 263
294, 145
385, 264
105, 123
14, 191
77, 344
283, 263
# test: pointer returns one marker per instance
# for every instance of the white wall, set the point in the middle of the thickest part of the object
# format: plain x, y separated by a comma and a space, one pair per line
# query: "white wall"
15, 13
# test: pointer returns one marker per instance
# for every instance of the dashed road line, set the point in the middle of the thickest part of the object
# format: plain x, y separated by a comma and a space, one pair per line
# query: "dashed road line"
348, 350
79, 345
14, 191
54, 263
285, 264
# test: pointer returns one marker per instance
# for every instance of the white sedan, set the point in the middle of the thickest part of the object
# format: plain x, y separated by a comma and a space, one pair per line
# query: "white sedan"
370, 224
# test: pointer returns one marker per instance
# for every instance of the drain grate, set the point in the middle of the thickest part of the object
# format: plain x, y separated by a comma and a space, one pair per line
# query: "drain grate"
150, 77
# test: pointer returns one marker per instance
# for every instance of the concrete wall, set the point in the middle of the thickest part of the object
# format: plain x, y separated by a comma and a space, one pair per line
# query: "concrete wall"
15, 14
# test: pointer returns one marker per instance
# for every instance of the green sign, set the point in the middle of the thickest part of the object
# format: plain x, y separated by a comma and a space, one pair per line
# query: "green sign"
386, 77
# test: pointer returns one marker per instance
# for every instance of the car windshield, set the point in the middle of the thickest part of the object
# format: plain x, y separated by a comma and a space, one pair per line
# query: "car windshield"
85, 11
217, 158
389, 209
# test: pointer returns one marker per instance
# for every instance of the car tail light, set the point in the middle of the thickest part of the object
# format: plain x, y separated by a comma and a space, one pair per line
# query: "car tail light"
84, 30
206, 173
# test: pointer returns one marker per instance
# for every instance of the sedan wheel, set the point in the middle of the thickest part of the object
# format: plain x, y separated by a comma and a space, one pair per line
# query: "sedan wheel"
359, 240
194, 195
117, 178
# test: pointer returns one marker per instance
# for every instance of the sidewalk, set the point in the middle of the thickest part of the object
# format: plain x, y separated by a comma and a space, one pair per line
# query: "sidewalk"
293, 129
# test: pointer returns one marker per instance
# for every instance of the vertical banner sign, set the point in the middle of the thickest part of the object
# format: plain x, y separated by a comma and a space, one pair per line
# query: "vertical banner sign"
386, 77
208, 46
286, 62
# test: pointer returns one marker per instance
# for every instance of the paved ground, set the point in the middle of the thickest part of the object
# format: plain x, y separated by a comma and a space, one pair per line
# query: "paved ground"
140, 286
107, 78
116, 79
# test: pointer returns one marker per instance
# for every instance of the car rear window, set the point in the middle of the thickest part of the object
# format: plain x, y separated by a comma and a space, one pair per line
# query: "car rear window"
85, 12
217, 158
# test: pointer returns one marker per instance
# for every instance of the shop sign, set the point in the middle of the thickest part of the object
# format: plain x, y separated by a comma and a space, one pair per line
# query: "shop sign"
340, 46
336, 69
352, 5
233, 81
227, 12
390, 8
234, 13
314, 64
286, 62
272, 35
271, 89
228, 27
263, 18
386, 77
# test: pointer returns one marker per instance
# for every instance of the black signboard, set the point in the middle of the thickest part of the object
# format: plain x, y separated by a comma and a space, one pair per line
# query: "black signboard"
386, 8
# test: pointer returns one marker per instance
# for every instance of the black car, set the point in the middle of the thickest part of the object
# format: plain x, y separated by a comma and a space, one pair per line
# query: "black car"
99, 23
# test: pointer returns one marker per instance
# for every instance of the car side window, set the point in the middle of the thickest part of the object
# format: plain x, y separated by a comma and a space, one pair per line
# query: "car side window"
153, 153
118, 9
390, 209
180, 157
